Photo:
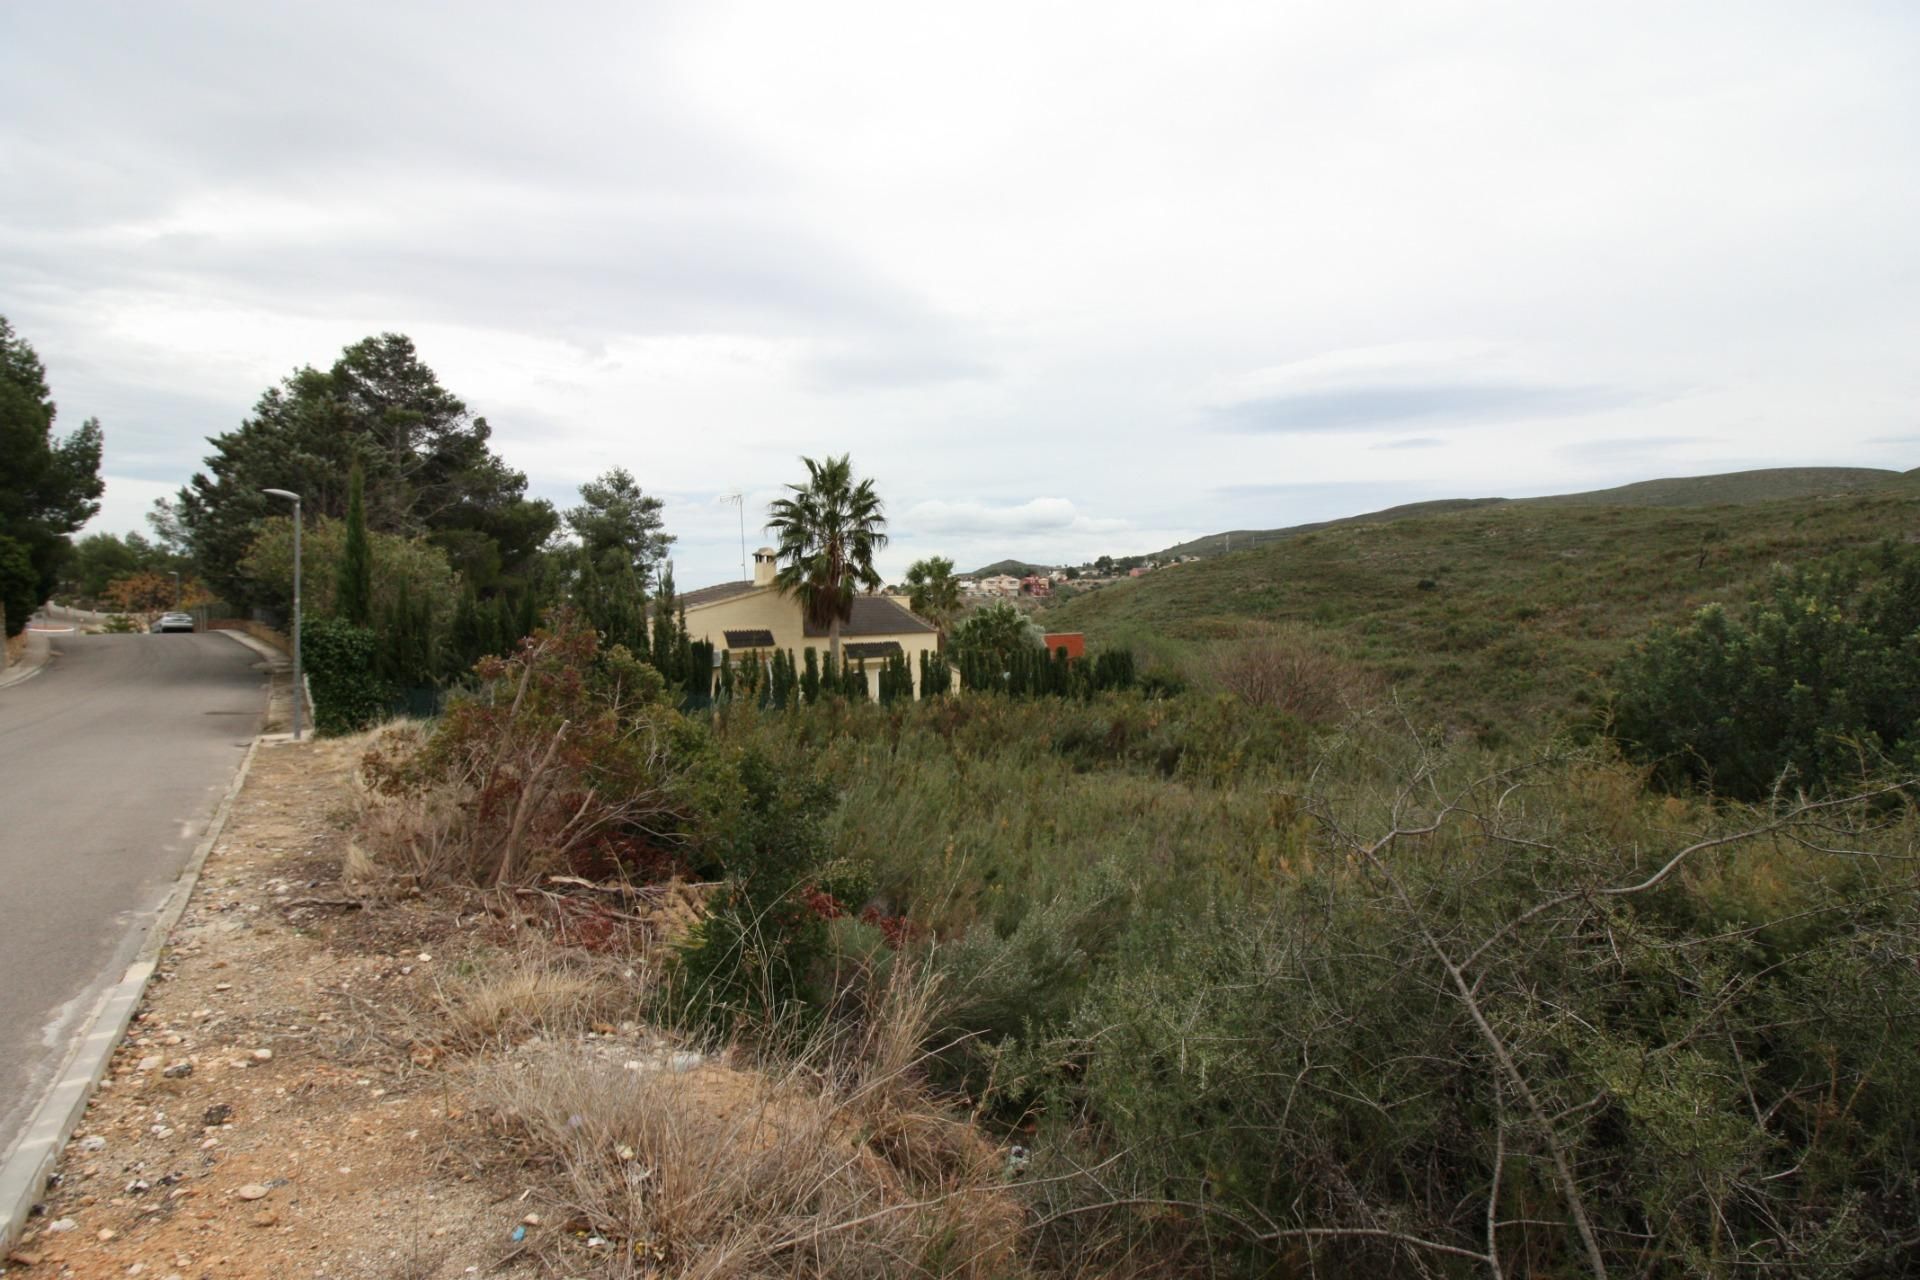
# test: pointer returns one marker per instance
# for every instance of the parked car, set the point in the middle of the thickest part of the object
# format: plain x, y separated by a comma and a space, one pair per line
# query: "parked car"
173, 622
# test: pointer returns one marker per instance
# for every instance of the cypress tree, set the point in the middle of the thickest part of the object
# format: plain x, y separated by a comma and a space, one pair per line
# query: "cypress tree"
505, 637
665, 638
588, 595
779, 686
696, 657
623, 618
353, 590
810, 677
526, 614
726, 676
464, 644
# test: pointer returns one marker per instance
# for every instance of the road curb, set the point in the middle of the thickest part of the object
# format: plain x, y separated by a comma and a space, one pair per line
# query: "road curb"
32, 663
24, 1174
260, 647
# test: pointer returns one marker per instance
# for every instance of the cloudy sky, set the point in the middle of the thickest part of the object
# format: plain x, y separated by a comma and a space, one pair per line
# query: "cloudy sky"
1063, 278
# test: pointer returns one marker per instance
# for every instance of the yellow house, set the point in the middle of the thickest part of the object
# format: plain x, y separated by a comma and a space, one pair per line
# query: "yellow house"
751, 619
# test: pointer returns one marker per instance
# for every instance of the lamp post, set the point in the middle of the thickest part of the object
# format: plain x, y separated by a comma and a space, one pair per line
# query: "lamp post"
299, 683
176, 590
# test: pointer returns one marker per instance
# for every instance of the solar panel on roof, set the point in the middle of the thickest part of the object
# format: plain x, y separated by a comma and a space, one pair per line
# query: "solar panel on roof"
756, 638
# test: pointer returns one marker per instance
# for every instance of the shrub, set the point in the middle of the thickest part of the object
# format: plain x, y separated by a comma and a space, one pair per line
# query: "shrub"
1287, 669
756, 955
343, 664
564, 757
1815, 685
839, 1165
1490, 1021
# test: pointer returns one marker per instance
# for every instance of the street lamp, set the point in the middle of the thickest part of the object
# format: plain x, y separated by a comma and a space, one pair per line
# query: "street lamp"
176, 590
299, 683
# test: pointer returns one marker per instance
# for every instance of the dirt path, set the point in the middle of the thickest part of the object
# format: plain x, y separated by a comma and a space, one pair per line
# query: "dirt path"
267, 1114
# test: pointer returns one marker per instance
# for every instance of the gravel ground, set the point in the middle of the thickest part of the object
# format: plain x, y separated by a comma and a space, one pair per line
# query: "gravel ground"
269, 1113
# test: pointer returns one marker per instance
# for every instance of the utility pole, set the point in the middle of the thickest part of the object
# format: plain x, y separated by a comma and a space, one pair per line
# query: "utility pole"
299, 676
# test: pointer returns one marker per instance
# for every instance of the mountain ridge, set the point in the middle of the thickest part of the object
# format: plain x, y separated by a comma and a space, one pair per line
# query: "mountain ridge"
1761, 484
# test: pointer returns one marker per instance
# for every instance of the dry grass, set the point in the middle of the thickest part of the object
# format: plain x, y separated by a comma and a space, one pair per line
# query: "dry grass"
837, 1164
535, 991
413, 837
1288, 668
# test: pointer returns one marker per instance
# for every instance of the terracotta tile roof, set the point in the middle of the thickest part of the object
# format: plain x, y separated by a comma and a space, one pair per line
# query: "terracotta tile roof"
715, 594
876, 616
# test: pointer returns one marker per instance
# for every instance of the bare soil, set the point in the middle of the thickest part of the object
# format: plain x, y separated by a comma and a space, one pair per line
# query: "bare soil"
352, 1080
268, 1114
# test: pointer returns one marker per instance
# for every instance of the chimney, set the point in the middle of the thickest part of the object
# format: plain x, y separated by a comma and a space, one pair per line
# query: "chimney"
763, 567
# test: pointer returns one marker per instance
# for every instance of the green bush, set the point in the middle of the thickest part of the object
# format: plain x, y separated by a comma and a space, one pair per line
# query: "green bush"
756, 957
1173, 937
1816, 685
343, 664
1729, 1061
563, 757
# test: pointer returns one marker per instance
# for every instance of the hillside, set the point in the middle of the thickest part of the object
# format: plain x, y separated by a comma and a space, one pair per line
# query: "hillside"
1769, 485
1766, 485
1018, 568
1504, 613
1214, 544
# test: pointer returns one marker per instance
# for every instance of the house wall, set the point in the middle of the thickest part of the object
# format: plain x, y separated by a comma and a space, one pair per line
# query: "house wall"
770, 611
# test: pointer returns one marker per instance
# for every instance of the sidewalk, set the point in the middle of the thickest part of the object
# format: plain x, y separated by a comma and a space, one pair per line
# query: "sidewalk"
279, 669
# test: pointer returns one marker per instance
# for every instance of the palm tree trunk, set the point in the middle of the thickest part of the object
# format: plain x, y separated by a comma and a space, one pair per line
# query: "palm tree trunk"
833, 640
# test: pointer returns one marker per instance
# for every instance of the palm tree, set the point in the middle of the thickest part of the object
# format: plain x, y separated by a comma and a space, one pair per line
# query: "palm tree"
828, 531
935, 593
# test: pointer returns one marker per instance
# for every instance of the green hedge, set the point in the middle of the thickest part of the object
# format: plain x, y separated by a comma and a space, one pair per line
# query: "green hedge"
342, 663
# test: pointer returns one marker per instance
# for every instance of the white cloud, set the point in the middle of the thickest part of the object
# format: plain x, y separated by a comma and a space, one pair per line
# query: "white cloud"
994, 252
1036, 515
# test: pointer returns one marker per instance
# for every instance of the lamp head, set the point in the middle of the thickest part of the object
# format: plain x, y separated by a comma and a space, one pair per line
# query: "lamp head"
282, 493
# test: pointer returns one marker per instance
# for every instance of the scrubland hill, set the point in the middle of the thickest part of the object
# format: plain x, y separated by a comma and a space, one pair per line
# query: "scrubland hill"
1511, 612
1320, 949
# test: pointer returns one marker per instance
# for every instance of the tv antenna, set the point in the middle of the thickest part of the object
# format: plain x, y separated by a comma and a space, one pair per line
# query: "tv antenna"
739, 501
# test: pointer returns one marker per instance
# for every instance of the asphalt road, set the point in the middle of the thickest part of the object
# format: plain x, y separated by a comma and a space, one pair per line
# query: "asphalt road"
112, 761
